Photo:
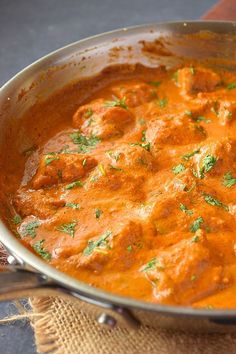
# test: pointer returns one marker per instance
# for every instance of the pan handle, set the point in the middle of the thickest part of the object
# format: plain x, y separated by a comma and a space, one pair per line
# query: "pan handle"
17, 282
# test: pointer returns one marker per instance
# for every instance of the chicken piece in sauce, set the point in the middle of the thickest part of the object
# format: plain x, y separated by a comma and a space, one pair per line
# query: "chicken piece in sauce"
61, 168
185, 272
192, 80
104, 119
135, 94
179, 130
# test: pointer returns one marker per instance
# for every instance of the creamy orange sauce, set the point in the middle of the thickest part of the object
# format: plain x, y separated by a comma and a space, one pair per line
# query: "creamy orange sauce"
133, 190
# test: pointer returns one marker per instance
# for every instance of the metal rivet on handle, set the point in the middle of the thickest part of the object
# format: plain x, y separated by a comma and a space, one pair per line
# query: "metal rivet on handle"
11, 260
106, 320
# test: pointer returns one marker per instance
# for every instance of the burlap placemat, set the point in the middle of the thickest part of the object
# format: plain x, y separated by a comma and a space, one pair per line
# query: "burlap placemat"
64, 328
61, 327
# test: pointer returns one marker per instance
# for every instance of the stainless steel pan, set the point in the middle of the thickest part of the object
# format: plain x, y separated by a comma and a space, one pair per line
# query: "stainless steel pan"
28, 275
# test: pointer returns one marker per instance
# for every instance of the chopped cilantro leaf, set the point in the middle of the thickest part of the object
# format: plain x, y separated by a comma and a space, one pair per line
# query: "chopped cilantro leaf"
228, 180
203, 119
129, 248
117, 103
146, 146
195, 239
84, 143
163, 102
73, 185
74, 206
30, 228
143, 136
38, 247
88, 113
214, 202
68, 228
207, 164
196, 225
16, 219
50, 158
151, 265
195, 173
116, 168
102, 242
231, 86
98, 213
229, 115
154, 83
190, 154
189, 113
185, 209
179, 168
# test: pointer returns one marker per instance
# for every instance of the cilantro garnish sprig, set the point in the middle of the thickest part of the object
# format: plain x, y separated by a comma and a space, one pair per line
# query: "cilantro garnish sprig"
68, 228
146, 146
209, 199
101, 242
196, 225
188, 156
117, 103
30, 229
178, 169
85, 144
39, 249
73, 185
49, 158
185, 209
152, 265
228, 180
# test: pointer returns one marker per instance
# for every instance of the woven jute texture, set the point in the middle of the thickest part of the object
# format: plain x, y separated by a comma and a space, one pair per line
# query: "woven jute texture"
64, 329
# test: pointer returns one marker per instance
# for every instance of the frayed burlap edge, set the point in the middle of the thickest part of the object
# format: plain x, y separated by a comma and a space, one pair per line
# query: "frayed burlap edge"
47, 337
65, 329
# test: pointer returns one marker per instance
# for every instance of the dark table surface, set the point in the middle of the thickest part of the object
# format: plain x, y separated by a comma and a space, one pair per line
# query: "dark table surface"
30, 29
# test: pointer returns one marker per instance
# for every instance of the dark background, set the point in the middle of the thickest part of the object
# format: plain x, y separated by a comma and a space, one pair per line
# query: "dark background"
30, 29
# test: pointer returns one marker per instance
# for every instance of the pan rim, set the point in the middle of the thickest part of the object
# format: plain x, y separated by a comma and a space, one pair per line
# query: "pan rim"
13, 245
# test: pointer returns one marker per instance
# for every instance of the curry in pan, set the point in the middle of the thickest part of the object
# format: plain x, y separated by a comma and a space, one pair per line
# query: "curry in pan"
131, 184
